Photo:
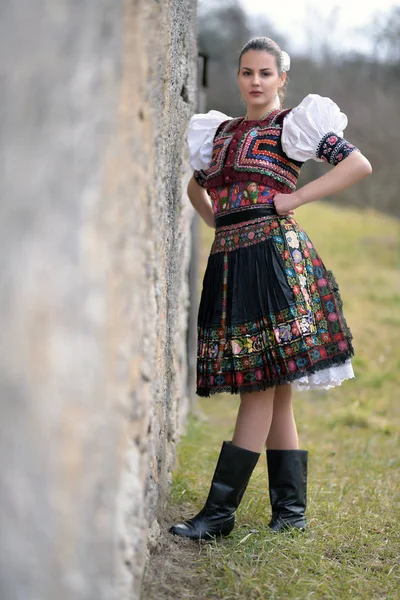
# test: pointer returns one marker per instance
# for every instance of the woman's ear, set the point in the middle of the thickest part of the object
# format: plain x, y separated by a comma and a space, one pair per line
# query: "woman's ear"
282, 79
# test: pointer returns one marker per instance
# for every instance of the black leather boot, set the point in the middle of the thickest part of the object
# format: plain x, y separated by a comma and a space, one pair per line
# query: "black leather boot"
287, 473
217, 517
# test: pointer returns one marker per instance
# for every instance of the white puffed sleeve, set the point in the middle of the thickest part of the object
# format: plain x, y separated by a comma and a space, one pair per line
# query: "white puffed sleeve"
200, 137
306, 126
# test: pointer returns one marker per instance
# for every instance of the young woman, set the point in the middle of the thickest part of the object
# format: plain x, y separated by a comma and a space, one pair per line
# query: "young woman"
270, 315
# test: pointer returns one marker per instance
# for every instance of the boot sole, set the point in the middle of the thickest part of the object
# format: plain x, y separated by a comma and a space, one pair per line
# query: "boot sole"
288, 528
207, 537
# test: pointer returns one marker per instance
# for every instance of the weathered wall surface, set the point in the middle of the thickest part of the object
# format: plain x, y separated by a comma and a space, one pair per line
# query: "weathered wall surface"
94, 251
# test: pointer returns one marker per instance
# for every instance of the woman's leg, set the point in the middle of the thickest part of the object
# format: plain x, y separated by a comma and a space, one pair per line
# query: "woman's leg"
283, 432
254, 419
235, 465
287, 466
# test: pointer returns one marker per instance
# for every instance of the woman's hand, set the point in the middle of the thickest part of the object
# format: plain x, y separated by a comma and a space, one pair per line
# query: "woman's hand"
285, 204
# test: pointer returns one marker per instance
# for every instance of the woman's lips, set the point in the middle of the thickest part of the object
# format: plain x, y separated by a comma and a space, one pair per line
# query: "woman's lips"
255, 93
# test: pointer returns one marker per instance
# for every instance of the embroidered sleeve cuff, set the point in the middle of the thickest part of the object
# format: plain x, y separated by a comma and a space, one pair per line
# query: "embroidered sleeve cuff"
333, 149
200, 177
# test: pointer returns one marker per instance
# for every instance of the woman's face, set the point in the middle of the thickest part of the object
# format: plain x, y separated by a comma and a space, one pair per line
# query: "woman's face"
258, 78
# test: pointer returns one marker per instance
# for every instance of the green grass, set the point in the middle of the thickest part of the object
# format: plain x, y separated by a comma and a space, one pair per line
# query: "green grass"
352, 547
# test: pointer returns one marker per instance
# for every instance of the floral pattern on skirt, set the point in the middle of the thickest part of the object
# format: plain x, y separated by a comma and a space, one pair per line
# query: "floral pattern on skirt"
270, 311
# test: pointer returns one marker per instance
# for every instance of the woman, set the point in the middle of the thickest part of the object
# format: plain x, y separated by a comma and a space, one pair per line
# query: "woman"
270, 315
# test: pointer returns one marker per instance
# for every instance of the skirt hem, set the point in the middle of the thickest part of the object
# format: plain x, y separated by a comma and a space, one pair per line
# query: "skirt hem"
256, 386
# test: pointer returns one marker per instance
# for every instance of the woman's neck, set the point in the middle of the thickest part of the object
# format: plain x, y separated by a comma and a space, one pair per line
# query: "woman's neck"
256, 113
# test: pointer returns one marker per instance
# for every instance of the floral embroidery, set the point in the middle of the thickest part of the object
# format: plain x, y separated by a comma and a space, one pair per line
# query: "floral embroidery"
243, 193
232, 237
201, 177
333, 148
297, 257
292, 239
302, 280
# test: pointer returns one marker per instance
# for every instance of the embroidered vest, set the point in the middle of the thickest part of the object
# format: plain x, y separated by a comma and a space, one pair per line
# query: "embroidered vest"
251, 151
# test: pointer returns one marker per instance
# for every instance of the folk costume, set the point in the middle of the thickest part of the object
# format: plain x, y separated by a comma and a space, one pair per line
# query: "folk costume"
270, 311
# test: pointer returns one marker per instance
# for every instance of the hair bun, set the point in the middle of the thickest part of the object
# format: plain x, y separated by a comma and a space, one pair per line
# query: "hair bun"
285, 60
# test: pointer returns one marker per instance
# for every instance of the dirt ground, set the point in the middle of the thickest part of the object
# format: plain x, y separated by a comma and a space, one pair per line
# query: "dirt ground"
171, 572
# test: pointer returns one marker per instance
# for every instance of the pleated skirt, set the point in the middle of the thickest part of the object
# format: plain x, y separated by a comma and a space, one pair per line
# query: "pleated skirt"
270, 311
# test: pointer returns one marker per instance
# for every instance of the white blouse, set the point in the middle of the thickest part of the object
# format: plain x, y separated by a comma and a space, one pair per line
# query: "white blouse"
302, 130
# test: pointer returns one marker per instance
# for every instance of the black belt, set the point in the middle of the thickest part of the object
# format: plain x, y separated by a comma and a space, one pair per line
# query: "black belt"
245, 214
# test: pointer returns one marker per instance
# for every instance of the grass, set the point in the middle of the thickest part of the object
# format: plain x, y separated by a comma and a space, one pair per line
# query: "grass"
352, 547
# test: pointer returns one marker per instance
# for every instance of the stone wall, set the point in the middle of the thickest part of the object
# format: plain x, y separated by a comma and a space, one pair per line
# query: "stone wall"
94, 253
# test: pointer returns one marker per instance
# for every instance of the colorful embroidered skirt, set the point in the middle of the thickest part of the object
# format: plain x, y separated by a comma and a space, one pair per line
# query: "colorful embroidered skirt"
270, 312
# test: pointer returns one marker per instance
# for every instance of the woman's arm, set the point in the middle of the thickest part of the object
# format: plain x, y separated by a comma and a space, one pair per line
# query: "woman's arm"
350, 170
201, 201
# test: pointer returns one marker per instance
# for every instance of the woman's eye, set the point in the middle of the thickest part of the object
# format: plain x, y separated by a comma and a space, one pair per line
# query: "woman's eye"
263, 74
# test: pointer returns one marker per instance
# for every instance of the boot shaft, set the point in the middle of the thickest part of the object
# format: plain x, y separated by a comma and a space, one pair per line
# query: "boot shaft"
287, 473
231, 477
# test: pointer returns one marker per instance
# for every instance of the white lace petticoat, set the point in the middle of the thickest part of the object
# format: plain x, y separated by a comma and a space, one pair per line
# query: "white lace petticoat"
326, 378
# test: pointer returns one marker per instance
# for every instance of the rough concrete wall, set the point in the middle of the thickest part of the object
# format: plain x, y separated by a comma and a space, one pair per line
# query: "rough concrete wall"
94, 249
